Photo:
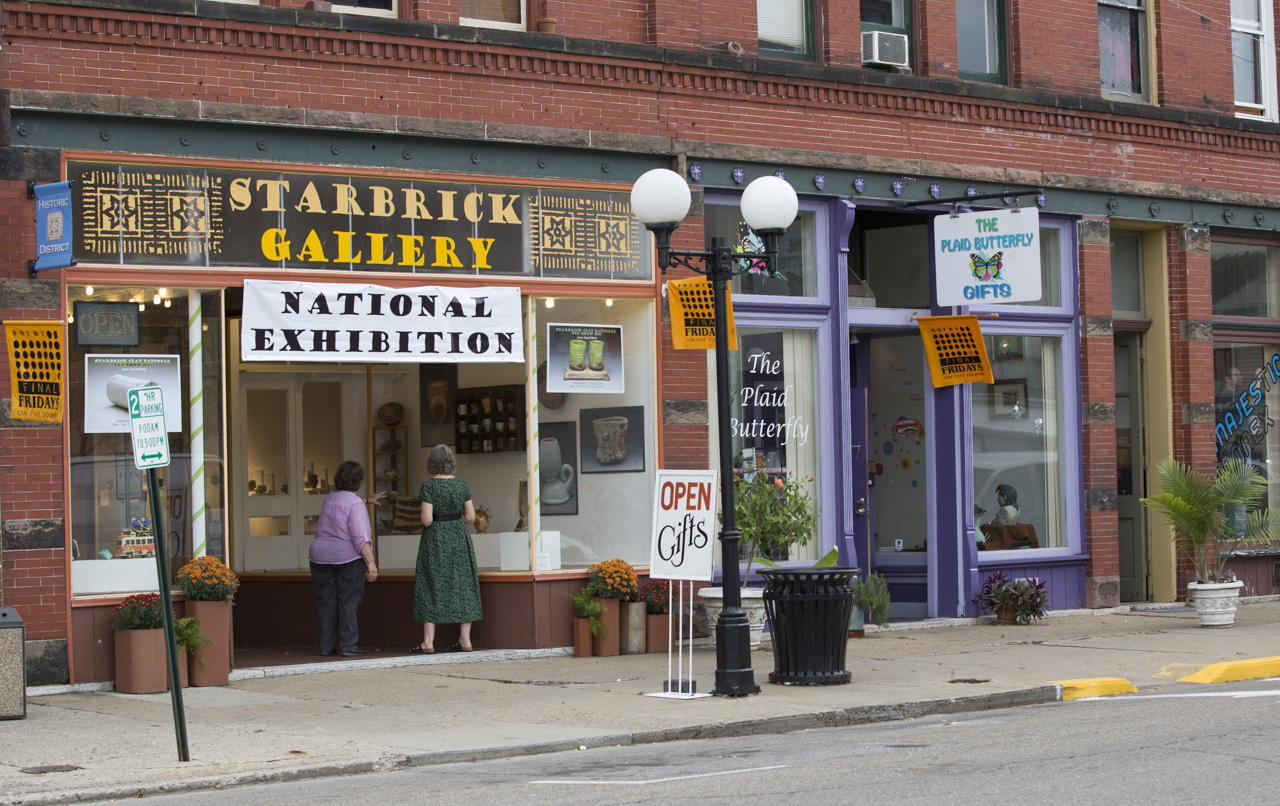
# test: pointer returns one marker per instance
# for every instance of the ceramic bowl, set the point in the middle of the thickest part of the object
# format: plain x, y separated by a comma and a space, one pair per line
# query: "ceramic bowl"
391, 414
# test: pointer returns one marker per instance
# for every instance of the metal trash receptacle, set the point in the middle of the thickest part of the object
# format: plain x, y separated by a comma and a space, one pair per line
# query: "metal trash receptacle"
13, 665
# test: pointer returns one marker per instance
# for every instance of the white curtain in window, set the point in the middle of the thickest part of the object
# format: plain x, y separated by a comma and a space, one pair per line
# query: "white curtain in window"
781, 22
799, 354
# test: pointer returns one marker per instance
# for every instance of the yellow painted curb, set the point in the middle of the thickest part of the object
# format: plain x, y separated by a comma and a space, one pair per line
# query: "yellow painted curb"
1233, 670
1093, 687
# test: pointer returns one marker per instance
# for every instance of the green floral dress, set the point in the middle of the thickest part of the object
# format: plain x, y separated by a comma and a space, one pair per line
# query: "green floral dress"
447, 588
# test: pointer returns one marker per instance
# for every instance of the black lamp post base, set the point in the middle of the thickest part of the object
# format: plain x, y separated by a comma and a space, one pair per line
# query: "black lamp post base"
734, 675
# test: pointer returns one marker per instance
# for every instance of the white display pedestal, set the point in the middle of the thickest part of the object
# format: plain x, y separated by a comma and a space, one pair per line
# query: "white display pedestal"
513, 551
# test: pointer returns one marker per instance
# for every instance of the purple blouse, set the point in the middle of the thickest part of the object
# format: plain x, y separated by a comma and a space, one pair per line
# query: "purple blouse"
342, 529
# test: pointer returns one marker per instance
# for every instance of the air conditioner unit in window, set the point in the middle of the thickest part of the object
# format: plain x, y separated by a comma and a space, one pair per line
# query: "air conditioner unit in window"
885, 49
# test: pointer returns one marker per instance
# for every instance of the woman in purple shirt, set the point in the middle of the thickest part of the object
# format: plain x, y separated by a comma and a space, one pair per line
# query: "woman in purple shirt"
342, 561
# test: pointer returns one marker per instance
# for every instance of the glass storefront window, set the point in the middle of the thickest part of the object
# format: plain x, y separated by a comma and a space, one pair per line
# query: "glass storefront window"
1246, 390
899, 453
774, 411
1018, 458
1244, 280
596, 442
797, 255
112, 538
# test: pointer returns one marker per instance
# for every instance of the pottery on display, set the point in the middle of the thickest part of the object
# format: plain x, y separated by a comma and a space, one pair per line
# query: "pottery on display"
556, 476
611, 439
391, 414
438, 401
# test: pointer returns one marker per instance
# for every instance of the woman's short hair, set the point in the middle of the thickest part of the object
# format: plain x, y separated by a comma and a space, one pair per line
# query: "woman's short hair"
1009, 492
442, 462
349, 476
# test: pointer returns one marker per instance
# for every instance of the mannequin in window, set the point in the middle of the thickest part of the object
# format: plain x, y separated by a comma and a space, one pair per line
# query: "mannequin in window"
1007, 498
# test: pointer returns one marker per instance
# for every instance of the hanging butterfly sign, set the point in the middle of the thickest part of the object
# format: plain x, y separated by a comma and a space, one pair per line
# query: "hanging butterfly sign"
987, 257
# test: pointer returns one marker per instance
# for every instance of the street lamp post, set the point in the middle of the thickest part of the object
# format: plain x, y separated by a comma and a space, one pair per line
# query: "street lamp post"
661, 199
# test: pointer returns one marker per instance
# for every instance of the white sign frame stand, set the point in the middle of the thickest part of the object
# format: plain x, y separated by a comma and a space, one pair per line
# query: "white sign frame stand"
680, 688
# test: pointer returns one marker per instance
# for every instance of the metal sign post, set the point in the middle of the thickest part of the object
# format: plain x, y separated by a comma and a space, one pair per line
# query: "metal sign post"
150, 451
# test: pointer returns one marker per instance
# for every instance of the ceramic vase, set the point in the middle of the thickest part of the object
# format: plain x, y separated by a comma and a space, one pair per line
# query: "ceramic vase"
215, 622
555, 475
611, 439
582, 638
752, 604
1215, 602
658, 633
632, 623
141, 665
610, 616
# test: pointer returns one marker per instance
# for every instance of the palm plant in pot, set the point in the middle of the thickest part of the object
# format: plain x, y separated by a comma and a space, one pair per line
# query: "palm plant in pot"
1211, 518
773, 514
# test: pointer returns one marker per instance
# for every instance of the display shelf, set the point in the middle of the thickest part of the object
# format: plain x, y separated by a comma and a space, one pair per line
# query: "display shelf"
390, 455
489, 419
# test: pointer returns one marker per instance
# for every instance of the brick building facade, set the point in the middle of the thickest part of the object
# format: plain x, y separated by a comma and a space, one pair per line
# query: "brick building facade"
1156, 179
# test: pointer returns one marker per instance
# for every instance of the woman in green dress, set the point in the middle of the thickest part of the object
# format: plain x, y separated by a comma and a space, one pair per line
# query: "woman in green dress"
447, 587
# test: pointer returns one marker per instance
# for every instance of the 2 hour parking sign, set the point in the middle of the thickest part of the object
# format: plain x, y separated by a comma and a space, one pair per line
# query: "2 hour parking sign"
146, 419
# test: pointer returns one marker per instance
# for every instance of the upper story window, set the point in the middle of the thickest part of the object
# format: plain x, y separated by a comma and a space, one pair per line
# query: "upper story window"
886, 32
492, 13
785, 28
372, 8
1244, 280
980, 40
1253, 58
1122, 47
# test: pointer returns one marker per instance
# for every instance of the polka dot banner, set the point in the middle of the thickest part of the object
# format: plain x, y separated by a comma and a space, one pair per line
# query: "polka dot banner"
955, 349
35, 370
693, 315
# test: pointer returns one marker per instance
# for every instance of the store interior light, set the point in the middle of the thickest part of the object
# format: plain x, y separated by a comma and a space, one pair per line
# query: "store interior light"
88, 291
164, 292
551, 302
155, 300
608, 303
168, 302
71, 318
142, 306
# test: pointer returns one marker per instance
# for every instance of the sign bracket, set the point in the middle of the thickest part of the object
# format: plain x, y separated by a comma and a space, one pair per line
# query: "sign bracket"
958, 200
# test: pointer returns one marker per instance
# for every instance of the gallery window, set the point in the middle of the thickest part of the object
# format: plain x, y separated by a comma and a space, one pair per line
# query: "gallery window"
123, 338
1122, 46
785, 28
980, 40
1253, 58
1019, 449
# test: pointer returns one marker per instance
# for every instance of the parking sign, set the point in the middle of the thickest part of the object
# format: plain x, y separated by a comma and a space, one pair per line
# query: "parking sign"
146, 418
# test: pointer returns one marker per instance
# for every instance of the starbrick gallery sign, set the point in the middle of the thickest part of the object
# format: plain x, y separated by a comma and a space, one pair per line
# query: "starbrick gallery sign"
169, 215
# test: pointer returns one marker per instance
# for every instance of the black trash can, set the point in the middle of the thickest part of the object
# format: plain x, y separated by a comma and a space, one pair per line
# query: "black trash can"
808, 610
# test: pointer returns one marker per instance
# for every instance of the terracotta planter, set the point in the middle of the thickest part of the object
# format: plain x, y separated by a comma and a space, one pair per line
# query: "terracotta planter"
582, 638
1006, 615
215, 622
141, 667
610, 616
631, 641
658, 634
546, 25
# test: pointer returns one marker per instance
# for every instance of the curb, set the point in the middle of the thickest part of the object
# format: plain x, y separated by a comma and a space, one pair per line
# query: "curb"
1085, 687
859, 715
1235, 670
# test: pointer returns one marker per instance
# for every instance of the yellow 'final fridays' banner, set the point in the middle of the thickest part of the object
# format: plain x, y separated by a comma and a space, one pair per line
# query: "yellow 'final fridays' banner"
693, 315
955, 349
35, 370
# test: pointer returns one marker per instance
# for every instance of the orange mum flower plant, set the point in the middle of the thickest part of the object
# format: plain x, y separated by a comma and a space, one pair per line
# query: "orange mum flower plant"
614, 579
206, 579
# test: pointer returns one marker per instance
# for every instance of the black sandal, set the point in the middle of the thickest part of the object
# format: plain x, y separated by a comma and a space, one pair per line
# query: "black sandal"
418, 650
458, 647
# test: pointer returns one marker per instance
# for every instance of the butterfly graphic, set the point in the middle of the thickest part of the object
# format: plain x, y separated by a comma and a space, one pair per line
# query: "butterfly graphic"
986, 268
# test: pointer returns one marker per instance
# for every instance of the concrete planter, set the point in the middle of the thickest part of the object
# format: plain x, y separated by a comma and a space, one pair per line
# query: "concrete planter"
632, 627
1215, 602
752, 605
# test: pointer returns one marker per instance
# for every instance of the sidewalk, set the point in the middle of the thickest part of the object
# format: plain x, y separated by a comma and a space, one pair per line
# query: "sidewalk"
388, 712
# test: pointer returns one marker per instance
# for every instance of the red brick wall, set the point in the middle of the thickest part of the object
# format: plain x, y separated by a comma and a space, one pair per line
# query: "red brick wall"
937, 54
1193, 50
1055, 46
35, 584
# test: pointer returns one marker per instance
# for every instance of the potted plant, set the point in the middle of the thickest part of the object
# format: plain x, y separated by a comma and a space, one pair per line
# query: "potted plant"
656, 596
871, 597
1013, 601
189, 637
611, 581
773, 514
1211, 518
141, 666
210, 586
588, 623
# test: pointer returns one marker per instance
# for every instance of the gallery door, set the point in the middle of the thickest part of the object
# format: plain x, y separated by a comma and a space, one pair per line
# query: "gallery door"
292, 431
891, 368
1131, 469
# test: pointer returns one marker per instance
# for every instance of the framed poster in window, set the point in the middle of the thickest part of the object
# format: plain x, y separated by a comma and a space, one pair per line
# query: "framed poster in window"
1008, 398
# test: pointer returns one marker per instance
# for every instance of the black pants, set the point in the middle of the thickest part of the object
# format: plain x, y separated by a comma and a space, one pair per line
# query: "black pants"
339, 590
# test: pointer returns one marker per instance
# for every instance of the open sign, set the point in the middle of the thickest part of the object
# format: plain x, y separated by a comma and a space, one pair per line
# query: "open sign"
684, 511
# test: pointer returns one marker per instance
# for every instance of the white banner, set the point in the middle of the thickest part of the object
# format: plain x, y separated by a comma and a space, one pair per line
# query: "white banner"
684, 524
347, 322
988, 257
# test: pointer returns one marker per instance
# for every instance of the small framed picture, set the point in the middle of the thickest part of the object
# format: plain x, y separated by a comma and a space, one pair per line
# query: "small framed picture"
1008, 398
1008, 346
